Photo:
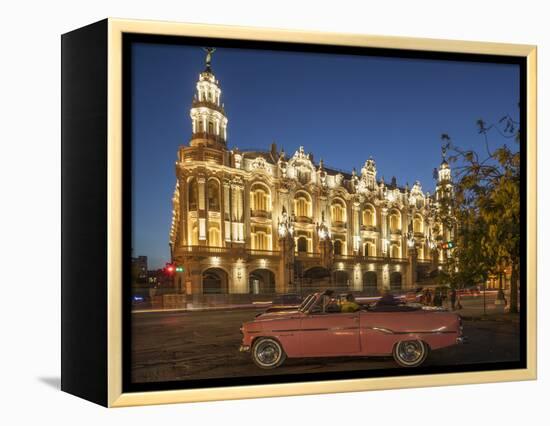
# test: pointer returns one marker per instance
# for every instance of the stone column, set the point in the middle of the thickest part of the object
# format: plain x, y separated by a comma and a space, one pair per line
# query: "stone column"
286, 264
240, 212
384, 230
385, 275
412, 266
202, 209
183, 239
357, 278
246, 215
227, 211
239, 278
355, 232
234, 213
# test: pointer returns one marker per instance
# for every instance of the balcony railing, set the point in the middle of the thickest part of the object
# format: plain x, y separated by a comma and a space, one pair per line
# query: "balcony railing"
304, 219
307, 255
338, 224
205, 249
207, 104
344, 256
212, 250
363, 258
263, 253
209, 136
260, 213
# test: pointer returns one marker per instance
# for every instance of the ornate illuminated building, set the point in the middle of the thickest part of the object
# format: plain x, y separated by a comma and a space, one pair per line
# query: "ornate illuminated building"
264, 221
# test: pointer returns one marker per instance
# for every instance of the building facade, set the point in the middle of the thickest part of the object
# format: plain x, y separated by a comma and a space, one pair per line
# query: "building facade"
263, 222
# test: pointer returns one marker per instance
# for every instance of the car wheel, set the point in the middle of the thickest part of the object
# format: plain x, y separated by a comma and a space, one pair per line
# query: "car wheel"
268, 353
410, 353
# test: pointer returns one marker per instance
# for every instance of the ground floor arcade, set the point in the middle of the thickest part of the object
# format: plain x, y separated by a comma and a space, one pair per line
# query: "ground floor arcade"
210, 275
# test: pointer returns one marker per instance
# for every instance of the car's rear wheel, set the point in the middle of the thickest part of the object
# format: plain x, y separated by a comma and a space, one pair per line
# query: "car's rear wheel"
268, 353
410, 353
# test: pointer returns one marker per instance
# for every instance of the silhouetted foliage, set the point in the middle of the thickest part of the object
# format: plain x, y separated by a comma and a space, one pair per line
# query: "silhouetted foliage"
486, 205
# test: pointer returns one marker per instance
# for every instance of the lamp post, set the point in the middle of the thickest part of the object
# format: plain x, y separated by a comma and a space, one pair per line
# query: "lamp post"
500, 300
411, 244
286, 244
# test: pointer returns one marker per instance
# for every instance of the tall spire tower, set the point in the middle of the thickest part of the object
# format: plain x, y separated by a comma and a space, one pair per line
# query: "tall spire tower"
444, 187
207, 112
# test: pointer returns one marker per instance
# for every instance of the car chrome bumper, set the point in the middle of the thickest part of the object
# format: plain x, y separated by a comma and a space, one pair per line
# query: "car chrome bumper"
244, 348
461, 340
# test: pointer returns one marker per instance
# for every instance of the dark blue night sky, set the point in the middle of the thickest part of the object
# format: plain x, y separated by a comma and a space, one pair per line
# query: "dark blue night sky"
342, 108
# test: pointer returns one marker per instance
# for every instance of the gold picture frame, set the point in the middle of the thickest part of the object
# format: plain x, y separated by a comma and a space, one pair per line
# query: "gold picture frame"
114, 347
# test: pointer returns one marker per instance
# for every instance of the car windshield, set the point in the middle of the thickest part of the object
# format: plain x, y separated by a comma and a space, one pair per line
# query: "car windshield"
304, 307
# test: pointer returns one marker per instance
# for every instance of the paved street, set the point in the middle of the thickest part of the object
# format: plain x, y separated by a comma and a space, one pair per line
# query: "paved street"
197, 345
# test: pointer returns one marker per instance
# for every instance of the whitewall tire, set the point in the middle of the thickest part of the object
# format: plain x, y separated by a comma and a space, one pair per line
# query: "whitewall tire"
410, 353
268, 353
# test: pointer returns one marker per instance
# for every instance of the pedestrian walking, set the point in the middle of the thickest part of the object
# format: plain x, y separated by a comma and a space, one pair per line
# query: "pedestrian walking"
428, 297
453, 298
438, 297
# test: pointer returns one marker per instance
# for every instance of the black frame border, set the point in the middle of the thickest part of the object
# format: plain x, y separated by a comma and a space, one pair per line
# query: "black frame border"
129, 38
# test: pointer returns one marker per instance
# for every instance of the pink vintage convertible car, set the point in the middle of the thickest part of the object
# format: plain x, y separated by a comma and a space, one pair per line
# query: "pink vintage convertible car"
313, 330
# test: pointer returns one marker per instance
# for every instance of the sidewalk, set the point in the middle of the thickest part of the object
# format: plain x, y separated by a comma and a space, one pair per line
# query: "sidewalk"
492, 312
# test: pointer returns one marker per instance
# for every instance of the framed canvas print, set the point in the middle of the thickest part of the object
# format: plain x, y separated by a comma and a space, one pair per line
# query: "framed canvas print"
250, 212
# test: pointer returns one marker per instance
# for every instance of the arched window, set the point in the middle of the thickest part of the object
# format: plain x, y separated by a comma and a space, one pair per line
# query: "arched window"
418, 224
214, 239
370, 280
338, 212
214, 281
338, 247
340, 278
261, 238
193, 195
369, 218
395, 281
420, 252
395, 221
213, 195
194, 235
302, 245
260, 241
395, 251
260, 198
302, 205
369, 249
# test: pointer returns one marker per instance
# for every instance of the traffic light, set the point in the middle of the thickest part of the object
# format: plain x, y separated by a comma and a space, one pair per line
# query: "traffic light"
169, 268
448, 245
179, 269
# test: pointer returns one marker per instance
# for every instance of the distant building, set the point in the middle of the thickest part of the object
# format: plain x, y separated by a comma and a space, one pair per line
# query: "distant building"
268, 222
139, 271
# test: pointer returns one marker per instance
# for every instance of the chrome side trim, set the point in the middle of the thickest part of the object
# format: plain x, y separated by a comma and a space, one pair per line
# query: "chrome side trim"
389, 331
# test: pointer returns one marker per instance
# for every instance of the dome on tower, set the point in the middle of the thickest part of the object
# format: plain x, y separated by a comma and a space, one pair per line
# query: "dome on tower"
207, 114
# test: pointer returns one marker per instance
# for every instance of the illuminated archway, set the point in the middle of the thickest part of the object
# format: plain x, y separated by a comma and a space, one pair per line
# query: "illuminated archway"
396, 281
214, 281
370, 283
261, 281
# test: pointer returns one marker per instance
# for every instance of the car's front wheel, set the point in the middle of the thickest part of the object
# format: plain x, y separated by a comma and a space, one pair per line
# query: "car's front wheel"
410, 353
268, 353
